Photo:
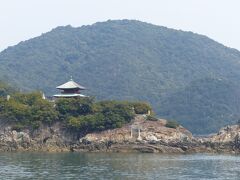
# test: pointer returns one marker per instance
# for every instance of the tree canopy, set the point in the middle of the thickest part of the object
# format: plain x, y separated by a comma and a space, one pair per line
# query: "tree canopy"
30, 110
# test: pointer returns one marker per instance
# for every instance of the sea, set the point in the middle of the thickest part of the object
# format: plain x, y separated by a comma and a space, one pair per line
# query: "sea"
107, 166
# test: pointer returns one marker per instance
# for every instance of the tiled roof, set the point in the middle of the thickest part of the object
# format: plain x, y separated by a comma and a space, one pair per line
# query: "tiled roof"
70, 85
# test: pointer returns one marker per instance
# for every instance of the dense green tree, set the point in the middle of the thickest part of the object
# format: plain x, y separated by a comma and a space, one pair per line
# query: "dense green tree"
74, 106
125, 109
27, 98
30, 110
27, 110
106, 115
44, 111
142, 108
15, 111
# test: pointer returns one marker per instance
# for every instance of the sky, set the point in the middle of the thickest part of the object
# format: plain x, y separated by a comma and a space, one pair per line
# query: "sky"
24, 19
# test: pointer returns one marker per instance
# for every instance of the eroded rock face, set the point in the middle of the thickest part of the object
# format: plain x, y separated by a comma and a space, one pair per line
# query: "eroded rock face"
226, 134
44, 139
149, 131
226, 140
13, 140
138, 136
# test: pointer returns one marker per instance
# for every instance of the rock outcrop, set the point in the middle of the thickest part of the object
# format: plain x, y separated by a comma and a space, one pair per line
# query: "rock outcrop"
138, 136
226, 140
46, 138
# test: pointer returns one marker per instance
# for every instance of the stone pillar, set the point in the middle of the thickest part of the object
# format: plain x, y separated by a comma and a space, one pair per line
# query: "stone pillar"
149, 113
139, 134
131, 132
8, 97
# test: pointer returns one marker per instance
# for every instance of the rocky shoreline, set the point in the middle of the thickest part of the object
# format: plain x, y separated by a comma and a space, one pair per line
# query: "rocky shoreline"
138, 136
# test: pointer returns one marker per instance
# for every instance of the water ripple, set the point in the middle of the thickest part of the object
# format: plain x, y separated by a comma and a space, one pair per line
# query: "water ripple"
118, 166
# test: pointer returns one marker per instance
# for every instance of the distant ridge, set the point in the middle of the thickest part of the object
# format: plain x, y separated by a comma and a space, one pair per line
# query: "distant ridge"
186, 76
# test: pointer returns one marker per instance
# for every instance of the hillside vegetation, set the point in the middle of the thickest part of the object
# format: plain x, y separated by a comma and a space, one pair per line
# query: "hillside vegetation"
177, 72
83, 115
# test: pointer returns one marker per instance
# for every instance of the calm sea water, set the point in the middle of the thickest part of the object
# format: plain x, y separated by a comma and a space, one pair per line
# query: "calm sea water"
117, 166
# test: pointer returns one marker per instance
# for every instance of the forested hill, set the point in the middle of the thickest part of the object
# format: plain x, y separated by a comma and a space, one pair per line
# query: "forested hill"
185, 76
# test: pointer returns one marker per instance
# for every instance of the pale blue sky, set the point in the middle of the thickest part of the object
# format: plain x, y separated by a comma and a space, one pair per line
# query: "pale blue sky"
24, 19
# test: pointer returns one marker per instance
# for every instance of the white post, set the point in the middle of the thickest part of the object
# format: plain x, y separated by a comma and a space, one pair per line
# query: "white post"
149, 113
139, 135
8, 97
131, 132
43, 96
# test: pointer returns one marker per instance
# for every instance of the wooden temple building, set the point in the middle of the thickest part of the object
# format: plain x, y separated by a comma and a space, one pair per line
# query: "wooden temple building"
70, 89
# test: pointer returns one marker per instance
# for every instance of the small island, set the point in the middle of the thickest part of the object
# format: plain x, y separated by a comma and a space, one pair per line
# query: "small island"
76, 122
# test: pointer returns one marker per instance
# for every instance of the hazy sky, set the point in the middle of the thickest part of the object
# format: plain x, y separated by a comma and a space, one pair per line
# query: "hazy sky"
24, 19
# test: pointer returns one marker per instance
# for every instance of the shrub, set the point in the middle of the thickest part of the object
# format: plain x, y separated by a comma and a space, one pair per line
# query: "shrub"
87, 123
107, 115
15, 111
28, 110
123, 109
43, 111
81, 114
35, 124
172, 124
113, 120
5, 89
152, 118
142, 108
74, 122
27, 98
18, 127
74, 106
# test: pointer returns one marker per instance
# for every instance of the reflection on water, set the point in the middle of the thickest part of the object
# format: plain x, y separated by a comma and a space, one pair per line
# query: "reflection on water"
117, 166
